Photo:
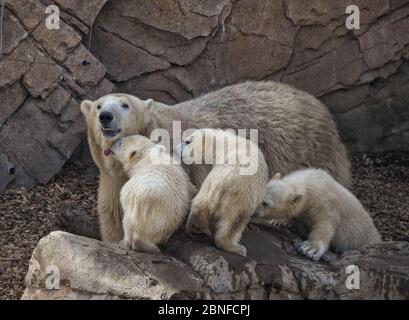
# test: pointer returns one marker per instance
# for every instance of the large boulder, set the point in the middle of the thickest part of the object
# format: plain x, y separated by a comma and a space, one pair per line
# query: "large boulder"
66, 266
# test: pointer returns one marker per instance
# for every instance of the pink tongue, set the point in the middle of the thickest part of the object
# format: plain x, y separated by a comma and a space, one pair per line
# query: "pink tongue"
107, 152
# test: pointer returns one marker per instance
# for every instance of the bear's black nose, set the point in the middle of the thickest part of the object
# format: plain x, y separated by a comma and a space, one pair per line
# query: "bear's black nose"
106, 117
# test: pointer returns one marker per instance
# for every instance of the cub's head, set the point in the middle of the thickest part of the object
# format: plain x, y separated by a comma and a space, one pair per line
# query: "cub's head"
280, 202
130, 150
196, 146
116, 115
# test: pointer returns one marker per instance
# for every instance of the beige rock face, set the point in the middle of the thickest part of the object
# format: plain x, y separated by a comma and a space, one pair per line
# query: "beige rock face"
89, 269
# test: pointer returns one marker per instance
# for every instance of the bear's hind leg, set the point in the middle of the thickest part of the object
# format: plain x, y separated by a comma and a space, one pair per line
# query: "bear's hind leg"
198, 220
229, 231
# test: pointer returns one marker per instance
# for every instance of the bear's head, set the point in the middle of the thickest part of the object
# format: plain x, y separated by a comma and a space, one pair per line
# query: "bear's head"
114, 116
280, 202
131, 150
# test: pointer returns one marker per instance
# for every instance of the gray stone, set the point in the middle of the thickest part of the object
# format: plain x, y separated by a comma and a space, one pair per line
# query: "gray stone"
85, 11
160, 85
173, 51
11, 99
41, 72
382, 43
135, 275
395, 4
166, 45
189, 18
120, 59
103, 88
86, 75
248, 58
67, 139
77, 221
335, 69
25, 137
57, 42
195, 269
13, 32
43, 76
264, 18
71, 112
7, 171
30, 12
56, 101
14, 67
322, 12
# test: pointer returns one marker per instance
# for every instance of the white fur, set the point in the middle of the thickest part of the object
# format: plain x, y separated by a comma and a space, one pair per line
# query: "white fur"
314, 202
227, 198
155, 199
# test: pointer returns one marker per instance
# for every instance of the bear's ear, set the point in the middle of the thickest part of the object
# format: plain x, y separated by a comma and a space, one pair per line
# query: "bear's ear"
86, 107
294, 198
149, 103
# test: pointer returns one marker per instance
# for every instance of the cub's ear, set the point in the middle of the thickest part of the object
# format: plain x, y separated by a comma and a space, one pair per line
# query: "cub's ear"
294, 198
149, 103
86, 107
277, 176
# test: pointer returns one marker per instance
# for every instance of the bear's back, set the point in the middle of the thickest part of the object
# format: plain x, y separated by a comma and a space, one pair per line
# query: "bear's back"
295, 130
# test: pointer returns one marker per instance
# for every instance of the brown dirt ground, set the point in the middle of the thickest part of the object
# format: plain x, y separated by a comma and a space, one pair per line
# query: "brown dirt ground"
381, 182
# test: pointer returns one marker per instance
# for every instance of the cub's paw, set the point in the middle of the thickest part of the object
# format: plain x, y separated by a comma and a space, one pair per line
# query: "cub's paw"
312, 249
233, 248
196, 225
124, 245
276, 223
239, 249
145, 246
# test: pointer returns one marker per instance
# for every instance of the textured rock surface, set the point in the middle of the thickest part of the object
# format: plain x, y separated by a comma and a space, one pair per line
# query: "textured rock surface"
175, 50
42, 81
185, 48
90, 269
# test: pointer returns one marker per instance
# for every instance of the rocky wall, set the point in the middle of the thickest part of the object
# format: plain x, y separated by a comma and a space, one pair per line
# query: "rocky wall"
174, 50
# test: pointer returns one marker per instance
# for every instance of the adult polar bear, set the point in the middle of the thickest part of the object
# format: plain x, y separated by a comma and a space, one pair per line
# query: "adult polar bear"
295, 131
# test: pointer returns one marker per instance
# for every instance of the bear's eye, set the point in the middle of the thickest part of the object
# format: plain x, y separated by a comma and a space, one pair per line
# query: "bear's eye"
132, 154
188, 141
125, 106
265, 204
99, 107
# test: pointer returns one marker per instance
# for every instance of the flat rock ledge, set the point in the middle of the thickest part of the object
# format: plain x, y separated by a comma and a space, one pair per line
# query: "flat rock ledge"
66, 266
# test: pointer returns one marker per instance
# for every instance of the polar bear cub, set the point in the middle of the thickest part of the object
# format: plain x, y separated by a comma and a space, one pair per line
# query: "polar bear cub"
155, 200
231, 191
318, 206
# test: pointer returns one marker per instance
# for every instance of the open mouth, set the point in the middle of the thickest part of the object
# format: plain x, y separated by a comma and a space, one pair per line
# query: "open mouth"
109, 132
